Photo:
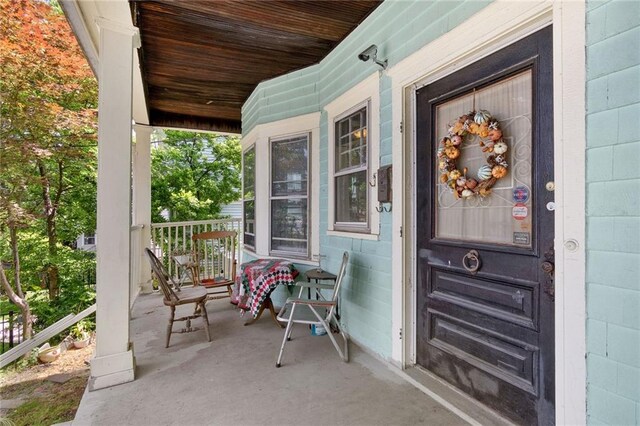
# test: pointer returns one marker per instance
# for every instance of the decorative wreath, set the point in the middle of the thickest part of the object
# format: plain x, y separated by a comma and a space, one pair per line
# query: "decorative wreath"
487, 128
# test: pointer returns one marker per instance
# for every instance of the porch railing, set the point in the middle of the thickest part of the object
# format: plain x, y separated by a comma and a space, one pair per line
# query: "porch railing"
174, 238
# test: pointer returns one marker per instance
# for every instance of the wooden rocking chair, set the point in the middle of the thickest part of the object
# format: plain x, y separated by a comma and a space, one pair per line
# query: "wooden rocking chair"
214, 262
180, 296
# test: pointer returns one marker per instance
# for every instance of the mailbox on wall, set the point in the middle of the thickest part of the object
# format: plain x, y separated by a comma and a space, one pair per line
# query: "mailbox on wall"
384, 184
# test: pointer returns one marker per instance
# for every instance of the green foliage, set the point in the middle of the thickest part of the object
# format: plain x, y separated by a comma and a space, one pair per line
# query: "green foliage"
74, 297
6, 306
27, 361
81, 330
75, 294
34, 256
194, 174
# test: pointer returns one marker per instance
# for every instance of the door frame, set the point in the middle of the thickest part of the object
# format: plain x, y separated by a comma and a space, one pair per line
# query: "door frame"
446, 55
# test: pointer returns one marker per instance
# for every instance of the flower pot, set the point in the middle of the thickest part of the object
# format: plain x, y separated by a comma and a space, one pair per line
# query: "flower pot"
83, 343
49, 354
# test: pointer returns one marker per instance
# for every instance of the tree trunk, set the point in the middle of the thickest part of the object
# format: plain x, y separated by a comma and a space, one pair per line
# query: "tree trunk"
52, 268
20, 302
50, 210
13, 233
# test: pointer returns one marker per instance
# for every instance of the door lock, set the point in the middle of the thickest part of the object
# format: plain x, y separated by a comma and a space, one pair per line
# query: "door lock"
471, 261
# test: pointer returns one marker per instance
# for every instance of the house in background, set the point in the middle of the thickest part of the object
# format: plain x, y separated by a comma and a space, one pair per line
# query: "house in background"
86, 242
525, 297
232, 209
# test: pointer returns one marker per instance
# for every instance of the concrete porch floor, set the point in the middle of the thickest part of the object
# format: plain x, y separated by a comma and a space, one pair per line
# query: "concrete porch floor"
233, 379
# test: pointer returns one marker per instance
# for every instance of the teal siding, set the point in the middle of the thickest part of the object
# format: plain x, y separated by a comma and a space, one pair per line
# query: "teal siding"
398, 28
613, 212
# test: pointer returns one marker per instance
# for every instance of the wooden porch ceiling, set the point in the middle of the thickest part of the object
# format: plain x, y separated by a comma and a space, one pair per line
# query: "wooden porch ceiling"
201, 60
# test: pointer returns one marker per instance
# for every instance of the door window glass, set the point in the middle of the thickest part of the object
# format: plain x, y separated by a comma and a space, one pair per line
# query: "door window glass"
505, 216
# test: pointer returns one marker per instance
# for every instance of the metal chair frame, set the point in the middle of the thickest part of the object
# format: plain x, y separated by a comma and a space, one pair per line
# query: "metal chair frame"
300, 310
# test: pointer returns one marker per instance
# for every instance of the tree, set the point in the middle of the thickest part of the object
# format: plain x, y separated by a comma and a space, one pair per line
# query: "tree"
48, 100
193, 175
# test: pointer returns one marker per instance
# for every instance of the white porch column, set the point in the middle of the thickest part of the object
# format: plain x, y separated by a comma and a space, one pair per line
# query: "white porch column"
142, 200
114, 362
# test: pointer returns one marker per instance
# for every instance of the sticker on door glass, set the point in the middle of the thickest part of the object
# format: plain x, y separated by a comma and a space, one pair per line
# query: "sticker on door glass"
523, 238
520, 194
519, 211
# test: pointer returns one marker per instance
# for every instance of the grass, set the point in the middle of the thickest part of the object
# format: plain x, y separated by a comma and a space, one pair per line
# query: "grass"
44, 402
49, 402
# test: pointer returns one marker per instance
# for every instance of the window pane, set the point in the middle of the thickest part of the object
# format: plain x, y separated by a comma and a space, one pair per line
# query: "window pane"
344, 127
248, 173
351, 198
289, 160
249, 223
289, 183
351, 141
289, 225
355, 121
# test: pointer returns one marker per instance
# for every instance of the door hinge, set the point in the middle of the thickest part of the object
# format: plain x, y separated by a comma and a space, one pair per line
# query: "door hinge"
401, 127
400, 333
401, 232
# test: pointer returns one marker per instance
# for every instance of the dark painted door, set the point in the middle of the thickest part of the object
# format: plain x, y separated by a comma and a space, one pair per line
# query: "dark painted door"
485, 317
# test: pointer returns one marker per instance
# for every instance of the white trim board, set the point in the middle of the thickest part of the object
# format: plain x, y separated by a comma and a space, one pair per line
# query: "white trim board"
511, 21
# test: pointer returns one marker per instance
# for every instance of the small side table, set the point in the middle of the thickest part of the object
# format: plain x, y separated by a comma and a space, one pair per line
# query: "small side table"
314, 274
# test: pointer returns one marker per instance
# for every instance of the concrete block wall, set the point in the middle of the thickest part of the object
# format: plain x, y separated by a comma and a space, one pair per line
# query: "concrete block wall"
398, 28
613, 212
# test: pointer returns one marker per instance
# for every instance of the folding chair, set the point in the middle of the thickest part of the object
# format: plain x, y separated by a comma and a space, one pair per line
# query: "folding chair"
321, 312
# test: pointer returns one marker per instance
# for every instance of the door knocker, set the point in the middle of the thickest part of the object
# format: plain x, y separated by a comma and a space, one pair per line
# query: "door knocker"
471, 261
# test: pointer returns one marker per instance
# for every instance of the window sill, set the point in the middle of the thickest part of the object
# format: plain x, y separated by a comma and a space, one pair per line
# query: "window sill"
355, 235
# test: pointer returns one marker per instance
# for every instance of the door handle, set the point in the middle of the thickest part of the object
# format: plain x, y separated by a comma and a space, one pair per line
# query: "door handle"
471, 261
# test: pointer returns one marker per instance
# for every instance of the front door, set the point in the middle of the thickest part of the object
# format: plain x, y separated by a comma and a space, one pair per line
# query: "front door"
484, 221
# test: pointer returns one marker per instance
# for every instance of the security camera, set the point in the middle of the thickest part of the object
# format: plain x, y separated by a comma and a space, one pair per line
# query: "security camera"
368, 53
371, 52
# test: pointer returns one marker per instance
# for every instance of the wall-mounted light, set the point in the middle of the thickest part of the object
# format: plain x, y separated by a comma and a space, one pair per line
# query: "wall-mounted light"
371, 53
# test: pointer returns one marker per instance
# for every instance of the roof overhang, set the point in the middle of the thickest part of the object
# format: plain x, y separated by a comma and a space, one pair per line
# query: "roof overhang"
201, 59
83, 16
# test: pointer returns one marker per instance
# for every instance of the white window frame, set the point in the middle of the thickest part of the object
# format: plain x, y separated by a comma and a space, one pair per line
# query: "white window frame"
260, 135
366, 93
272, 142
244, 200
359, 227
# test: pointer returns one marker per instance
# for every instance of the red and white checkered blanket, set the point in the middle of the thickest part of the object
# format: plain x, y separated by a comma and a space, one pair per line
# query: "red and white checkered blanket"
257, 279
